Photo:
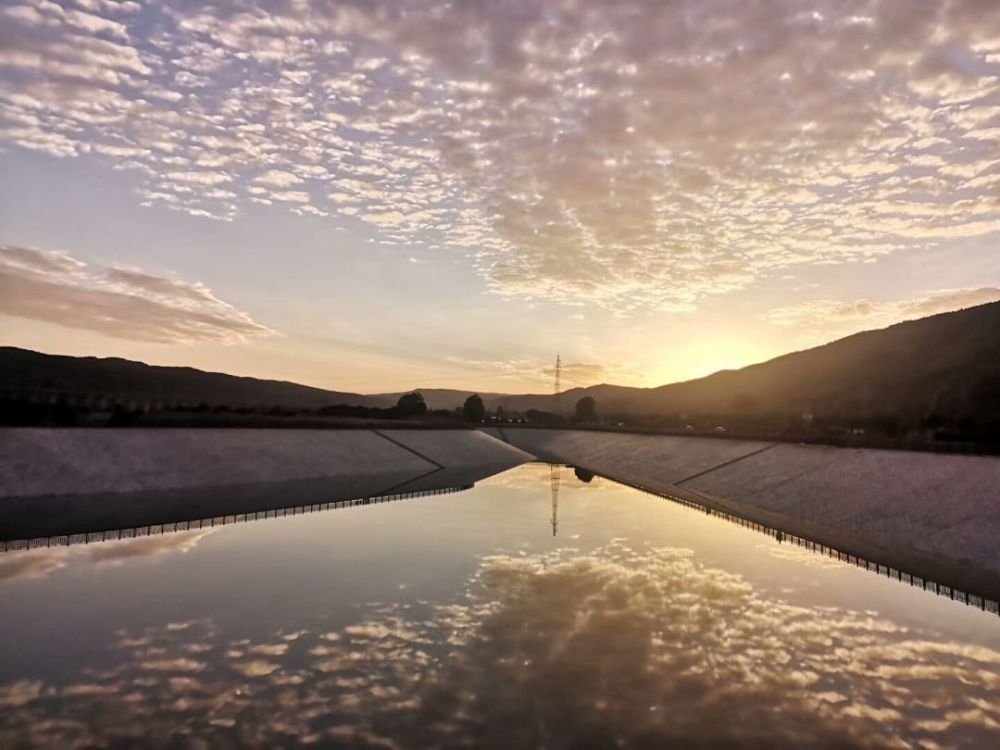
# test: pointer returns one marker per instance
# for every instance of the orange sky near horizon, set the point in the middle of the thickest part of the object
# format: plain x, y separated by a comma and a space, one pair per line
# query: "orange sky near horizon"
380, 196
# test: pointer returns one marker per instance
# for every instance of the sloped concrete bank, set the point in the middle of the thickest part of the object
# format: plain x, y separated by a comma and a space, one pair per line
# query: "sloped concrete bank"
933, 515
65, 481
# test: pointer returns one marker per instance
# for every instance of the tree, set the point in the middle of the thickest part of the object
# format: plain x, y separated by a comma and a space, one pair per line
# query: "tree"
411, 405
474, 409
586, 409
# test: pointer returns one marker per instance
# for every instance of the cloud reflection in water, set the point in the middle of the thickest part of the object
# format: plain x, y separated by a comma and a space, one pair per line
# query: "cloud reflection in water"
40, 562
620, 647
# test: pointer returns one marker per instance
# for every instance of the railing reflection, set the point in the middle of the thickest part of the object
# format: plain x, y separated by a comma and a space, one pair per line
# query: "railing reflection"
16, 545
973, 600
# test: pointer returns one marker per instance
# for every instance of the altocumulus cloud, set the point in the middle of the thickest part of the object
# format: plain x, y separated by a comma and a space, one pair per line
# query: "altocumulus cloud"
635, 153
827, 315
123, 303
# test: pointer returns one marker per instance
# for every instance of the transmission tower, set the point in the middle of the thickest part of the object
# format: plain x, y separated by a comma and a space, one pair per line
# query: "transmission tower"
554, 469
554, 477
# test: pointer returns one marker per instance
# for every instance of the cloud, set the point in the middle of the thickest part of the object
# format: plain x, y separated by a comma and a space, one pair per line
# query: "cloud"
255, 668
277, 178
572, 374
832, 315
181, 541
583, 373
629, 647
37, 563
627, 154
123, 303
30, 565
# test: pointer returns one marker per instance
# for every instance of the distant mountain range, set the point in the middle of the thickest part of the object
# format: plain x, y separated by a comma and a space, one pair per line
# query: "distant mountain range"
947, 365
25, 372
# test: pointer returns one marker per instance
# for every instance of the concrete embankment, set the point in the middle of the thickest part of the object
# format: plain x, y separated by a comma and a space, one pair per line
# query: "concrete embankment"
63, 481
934, 515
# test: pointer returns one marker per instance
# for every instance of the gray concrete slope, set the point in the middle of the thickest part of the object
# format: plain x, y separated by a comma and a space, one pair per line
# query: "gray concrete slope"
932, 514
470, 447
68, 481
945, 505
39, 461
85, 461
671, 459
462, 462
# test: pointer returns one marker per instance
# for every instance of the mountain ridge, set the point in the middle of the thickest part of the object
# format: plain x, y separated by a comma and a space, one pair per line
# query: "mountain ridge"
26, 369
947, 363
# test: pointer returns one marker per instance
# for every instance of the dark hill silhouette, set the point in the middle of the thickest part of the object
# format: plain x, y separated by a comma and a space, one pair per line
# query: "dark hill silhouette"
940, 369
26, 373
946, 366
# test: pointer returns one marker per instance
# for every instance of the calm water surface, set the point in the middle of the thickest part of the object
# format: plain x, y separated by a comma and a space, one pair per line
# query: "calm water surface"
460, 620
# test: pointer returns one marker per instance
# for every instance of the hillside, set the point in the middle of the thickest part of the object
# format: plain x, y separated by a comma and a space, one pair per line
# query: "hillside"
942, 368
33, 374
946, 365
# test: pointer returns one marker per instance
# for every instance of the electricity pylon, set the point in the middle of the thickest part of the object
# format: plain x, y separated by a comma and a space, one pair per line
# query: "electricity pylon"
555, 469
554, 477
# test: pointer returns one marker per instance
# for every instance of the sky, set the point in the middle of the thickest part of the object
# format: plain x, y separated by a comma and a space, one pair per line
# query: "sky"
388, 194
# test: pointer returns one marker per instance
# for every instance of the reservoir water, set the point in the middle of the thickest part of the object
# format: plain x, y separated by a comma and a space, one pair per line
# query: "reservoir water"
540, 608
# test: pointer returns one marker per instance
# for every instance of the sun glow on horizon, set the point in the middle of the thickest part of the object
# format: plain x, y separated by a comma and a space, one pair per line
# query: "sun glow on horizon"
699, 358
387, 195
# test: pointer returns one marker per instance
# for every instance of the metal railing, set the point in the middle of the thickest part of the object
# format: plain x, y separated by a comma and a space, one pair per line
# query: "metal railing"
110, 535
973, 600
